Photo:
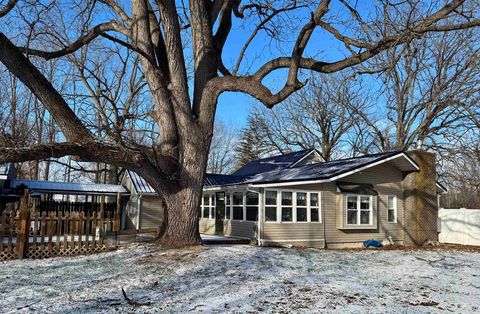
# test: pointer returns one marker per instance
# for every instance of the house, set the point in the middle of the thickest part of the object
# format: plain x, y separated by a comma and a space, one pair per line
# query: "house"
302, 200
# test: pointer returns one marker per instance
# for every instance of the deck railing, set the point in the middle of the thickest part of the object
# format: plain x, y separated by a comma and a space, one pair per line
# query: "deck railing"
30, 234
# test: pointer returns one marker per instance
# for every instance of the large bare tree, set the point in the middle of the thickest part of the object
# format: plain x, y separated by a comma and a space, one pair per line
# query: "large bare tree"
167, 35
429, 89
320, 115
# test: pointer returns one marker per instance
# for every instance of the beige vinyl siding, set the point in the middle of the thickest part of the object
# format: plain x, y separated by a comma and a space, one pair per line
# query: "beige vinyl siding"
241, 229
151, 212
207, 226
298, 234
387, 180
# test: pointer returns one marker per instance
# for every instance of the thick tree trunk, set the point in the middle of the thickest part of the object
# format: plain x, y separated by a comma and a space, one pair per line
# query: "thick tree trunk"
180, 227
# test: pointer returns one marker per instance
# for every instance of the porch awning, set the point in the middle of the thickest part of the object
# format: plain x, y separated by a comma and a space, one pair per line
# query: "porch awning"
356, 188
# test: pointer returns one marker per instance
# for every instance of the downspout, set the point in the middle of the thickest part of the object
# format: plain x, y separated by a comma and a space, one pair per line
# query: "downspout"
260, 215
139, 201
322, 210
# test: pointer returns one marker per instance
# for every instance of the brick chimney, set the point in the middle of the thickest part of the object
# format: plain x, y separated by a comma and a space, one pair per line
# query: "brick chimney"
421, 208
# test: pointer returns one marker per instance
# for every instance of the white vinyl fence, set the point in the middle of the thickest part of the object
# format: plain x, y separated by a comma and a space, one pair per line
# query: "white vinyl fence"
459, 226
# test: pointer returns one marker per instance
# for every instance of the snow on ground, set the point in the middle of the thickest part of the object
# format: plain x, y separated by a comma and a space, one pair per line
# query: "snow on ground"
244, 279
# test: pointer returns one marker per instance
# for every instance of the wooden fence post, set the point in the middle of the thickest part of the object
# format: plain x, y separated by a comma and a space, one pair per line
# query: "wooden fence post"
23, 225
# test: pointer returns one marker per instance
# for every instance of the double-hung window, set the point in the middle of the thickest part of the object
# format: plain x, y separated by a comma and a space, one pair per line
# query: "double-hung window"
271, 206
392, 209
206, 206
237, 206
315, 208
302, 215
359, 209
228, 207
287, 206
251, 199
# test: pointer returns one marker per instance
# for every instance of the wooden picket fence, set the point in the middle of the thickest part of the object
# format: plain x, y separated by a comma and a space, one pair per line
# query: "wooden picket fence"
30, 234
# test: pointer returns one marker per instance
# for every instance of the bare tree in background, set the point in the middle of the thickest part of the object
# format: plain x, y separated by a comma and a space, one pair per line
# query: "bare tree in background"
320, 115
175, 163
221, 158
429, 87
461, 172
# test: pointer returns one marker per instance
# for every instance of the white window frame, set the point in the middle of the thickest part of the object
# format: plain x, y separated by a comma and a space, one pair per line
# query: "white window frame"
228, 206
265, 205
319, 207
210, 207
359, 210
395, 209
245, 206
294, 206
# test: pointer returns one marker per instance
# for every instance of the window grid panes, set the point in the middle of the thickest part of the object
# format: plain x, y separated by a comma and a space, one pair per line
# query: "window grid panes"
358, 209
227, 206
251, 206
237, 208
271, 206
208, 206
392, 209
287, 208
292, 206
301, 200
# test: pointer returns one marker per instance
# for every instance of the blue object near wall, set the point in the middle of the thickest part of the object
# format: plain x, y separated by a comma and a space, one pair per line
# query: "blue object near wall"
372, 243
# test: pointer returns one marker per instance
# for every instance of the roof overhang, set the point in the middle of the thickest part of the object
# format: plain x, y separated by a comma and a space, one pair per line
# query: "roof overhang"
400, 160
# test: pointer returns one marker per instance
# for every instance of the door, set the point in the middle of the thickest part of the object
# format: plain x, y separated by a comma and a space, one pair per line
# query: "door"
219, 212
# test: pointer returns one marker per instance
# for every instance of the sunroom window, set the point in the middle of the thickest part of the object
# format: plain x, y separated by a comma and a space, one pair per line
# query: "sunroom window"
252, 206
206, 206
314, 207
287, 206
271, 206
359, 209
227, 206
237, 206
302, 207
292, 206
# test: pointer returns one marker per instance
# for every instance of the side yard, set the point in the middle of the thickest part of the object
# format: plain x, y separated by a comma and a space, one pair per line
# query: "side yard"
244, 278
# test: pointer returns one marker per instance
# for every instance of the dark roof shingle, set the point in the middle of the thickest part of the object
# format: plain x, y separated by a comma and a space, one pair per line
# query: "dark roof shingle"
271, 163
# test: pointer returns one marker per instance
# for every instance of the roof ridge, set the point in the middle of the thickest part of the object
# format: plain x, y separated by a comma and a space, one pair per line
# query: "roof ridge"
367, 155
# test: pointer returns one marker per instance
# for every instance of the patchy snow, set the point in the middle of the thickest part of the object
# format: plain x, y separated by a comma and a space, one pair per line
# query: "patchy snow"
244, 278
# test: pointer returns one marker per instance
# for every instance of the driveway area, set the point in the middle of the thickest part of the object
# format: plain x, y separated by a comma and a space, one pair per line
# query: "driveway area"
243, 278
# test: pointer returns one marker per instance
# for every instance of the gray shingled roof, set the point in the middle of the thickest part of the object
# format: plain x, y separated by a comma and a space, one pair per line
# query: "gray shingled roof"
69, 187
222, 179
272, 163
318, 171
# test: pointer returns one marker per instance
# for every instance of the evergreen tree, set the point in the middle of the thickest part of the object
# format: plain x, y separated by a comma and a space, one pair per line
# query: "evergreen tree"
253, 143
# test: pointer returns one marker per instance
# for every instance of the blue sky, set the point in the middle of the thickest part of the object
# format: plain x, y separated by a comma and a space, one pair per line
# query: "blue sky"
234, 107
